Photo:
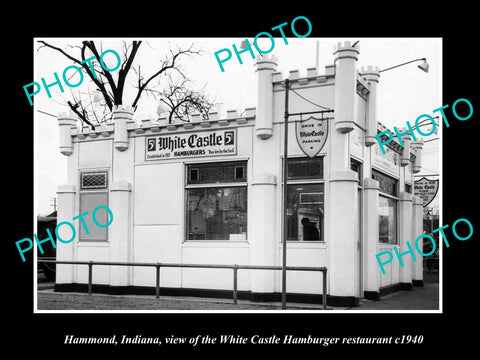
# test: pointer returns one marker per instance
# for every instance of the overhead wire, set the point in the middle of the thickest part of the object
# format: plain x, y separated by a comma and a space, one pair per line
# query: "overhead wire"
43, 112
325, 108
311, 102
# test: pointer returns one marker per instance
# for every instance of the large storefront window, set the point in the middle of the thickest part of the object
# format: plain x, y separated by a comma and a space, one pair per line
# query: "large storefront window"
387, 220
305, 200
305, 212
217, 201
387, 209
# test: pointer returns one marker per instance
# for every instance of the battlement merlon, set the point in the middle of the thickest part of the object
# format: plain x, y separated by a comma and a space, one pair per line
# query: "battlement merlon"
370, 73
267, 61
346, 50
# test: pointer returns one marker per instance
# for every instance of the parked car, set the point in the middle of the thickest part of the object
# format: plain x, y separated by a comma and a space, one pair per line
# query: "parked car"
49, 252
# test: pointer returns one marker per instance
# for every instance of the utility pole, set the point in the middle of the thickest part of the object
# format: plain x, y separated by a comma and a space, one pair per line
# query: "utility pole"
285, 218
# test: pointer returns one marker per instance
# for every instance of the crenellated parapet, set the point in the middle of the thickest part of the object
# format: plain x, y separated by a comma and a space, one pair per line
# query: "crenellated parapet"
124, 126
299, 79
196, 122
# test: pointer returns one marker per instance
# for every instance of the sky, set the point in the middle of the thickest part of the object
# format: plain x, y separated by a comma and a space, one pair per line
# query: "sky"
404, 93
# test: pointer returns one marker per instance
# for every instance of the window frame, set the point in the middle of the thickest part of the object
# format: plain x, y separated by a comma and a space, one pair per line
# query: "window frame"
386, 196
93, 172
93, 191
354, 161
305, 178
322, 234
198, 165
397, 183
383, 193
408, 188
187, 187
304, 181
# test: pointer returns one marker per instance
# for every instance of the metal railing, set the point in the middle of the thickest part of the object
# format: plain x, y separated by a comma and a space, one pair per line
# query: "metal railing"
234, 267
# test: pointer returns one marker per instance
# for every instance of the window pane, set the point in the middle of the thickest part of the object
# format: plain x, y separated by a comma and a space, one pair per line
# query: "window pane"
357, 167
93, 180
387, 220
88, 203
212, 173
305, 168
387, 184
217, 213
305, 212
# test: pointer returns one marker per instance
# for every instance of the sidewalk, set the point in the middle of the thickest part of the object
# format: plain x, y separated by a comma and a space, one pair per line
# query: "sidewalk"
419, 298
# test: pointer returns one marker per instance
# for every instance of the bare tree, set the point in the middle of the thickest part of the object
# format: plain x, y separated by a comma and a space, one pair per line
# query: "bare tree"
182, 100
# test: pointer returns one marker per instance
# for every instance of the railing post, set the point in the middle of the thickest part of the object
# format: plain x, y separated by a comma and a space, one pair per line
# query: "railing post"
324, 290
157, 283
90, 266
235, 268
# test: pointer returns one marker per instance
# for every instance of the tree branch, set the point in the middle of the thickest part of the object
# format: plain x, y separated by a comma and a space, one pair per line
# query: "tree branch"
168, 64
124, 71
100, 84
81, 115
107, 74
85, 67
181, 100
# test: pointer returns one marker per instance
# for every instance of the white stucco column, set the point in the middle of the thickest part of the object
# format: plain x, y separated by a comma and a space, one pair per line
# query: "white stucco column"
417, 230
417, 147
371, 274
262, 228
65, 125
66, 251
265, 66
372, 75
122, 115
346, 57
341, 215
342, 240
406, 251
261, 233
119, 231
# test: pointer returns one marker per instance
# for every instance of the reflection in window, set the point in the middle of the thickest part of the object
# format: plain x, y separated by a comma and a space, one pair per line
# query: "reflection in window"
408, 188
387, 220
387, 184
217, 213
214, 173
305, 168
305, 212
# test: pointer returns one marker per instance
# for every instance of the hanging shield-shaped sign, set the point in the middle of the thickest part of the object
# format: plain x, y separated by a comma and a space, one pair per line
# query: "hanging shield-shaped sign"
311, 135
426, 189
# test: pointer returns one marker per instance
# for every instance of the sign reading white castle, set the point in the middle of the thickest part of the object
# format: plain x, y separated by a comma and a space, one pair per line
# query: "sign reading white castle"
311, 135
204, 143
